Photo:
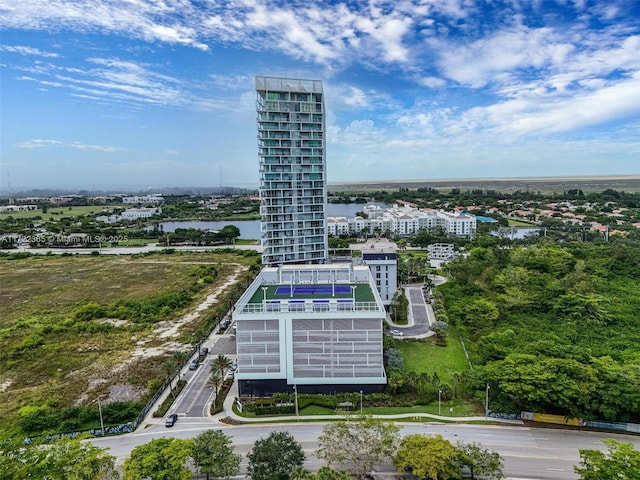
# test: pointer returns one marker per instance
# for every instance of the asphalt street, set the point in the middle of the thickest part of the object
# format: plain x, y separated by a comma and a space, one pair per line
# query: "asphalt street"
528, 453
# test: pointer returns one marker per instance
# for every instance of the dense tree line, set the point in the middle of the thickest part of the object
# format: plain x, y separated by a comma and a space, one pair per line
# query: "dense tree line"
195, 236
553, 328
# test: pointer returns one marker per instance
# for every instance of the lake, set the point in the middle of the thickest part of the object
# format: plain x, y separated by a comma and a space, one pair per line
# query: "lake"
250, 229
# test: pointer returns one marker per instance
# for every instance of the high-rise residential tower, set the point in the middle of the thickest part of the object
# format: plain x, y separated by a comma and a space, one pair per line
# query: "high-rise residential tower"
293, 182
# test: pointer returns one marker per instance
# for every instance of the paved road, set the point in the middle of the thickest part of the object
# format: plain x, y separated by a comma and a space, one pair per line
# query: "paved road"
540, 454
127, 250
420, 315
195, 399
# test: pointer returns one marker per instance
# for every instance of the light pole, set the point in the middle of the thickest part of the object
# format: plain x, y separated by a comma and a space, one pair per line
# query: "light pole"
353, 295
295, 392
439, 400
100, 412
486, 402
264, 296
361, 402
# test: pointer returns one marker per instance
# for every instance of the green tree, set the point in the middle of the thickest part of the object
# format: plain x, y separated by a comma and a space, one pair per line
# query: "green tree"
620, 462
543, 384
358, 443
65, 459
160, 459
479, 315
618, 388
274, 457
441, 330
213, 454
229, 233
479, 461
427, 457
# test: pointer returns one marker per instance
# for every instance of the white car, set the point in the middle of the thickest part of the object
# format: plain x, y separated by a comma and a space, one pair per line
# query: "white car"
397, 333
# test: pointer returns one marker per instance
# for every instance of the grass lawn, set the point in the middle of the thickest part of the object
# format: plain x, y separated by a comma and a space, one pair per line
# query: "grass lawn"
56, 213
247, 241
452, 408
422, 357
406, 254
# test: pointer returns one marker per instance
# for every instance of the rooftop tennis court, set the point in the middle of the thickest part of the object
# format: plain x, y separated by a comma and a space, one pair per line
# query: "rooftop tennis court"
302, 290
363, 292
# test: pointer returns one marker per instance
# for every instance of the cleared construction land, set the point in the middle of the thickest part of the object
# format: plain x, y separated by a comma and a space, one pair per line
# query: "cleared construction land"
73, 328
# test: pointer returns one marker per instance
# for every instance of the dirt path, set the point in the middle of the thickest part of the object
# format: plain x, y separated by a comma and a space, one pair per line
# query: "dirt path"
170, 328
165, 333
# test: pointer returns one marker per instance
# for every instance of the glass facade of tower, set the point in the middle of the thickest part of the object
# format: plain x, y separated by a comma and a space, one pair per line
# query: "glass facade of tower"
293, 182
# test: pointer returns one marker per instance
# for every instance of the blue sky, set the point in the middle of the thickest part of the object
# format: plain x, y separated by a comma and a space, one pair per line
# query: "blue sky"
152, 93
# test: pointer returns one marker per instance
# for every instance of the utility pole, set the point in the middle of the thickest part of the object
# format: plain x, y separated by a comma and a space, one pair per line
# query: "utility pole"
486, 402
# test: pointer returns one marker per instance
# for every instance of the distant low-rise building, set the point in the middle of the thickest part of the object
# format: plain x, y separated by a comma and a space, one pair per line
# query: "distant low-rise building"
137, 213
108, 218
130, 214
403, 221
440, 253
143, 199
18, 208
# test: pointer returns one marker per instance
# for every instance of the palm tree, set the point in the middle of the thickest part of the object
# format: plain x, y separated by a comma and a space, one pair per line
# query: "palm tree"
170, 366
215, 381
179, 356
221, 364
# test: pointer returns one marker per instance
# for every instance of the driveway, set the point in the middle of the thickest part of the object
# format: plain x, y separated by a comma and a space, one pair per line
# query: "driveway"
420, 312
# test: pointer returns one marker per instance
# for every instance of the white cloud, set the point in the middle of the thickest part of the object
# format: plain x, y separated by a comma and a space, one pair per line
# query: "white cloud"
616, 101
359, 132
356, 98
45, 143
495, 58
27, 51
432, 82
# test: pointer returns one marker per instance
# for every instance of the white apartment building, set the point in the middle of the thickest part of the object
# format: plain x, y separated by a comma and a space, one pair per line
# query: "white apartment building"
155, 198
18, 208
403, 221
137, 213
383, 263
316, 327
293, 183
441, 251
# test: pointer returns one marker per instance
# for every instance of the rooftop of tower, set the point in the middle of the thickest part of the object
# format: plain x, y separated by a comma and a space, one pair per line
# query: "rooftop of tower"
288, 84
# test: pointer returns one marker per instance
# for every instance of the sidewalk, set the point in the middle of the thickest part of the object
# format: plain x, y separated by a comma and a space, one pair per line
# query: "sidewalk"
233, 393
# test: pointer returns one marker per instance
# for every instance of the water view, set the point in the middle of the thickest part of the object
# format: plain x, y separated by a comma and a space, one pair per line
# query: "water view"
250, 229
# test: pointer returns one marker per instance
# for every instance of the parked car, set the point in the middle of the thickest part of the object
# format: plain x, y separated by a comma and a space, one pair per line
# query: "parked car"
204, 351
397, 333
171, 420
194, 364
